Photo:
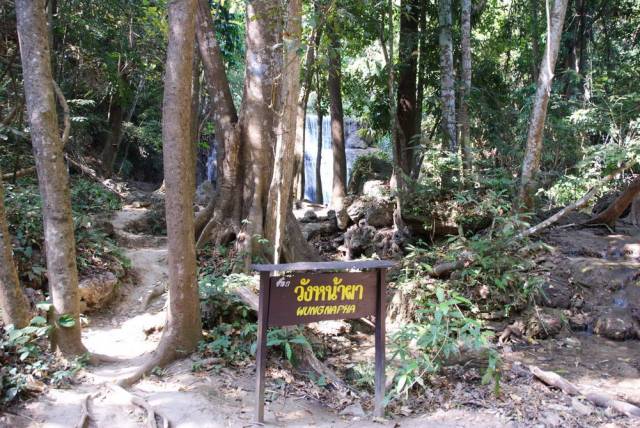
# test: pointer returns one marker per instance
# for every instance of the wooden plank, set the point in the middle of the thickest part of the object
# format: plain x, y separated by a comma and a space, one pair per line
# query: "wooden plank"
381, 313
312, 266
261, 349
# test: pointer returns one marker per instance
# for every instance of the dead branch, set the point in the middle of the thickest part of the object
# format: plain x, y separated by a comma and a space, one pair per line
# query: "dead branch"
576, 205
142, 403
21, 173
597, 398
85, 416
446, 268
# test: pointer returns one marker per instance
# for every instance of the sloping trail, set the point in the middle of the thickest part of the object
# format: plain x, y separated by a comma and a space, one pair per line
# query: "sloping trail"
188, 399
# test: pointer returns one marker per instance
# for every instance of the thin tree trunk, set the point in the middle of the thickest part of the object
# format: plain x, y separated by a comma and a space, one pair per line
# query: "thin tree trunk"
334, 85
422, 66
533, 151
280, 191
408, 69
13, 303
112, 141
53, 179
447, 81
535, 46
465, 142
195, 113
319, 196
183, 326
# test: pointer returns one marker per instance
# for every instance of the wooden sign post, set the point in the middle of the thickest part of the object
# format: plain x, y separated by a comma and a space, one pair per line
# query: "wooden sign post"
311, 292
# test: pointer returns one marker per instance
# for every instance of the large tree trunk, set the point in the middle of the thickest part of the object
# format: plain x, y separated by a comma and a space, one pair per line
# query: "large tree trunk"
465, 142
13, 303
53, 179
334, 85
533, 151
447, 80
183, 326
280, 192
246, 139
408, 69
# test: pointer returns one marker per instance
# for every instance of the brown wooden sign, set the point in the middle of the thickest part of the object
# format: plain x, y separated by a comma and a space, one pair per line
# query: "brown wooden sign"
310, 292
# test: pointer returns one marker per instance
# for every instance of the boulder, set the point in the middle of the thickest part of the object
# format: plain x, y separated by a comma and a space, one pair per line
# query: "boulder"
616, 324
358, 240
96, 291
366, 168
604, 274
377, 212
375, 189
309, 216
319, 228
554, 294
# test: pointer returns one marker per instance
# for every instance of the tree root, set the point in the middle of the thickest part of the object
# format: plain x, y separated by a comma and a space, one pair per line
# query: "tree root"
155, 292
85, 415
152, 414
597, 398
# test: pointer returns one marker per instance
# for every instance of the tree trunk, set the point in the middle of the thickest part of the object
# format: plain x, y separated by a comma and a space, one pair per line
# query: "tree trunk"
246, 139
465, 142
183, 325
447, 81
615, 210
13, 303
319, 197
408, 69
53, 179
312, 48
334, 85
535, 46
280, 192
422, 67
533, 151
112, 140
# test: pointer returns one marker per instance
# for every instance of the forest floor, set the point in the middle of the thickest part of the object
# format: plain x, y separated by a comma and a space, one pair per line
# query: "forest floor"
128, 330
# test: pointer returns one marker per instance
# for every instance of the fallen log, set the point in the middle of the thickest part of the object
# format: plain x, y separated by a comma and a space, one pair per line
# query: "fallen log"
20, 173
610, 215
597, 398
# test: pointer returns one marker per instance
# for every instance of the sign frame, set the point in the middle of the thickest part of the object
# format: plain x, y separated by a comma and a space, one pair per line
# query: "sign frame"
378, 266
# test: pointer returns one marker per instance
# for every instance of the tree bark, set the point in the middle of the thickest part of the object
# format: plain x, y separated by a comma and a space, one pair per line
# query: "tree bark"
280, 191
422, 67
334, 85
533, 151
407, 91
615, 210
319, 196
53, 179
535, 46
183, 325
447, 81
13, 302
465, 142
112, 140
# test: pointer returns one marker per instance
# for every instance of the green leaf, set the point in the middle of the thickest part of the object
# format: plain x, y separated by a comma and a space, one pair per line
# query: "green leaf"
38, 321
66, 321
440, 294
288, 351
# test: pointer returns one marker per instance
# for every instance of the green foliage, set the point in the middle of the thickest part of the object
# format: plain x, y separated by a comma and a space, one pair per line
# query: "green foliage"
285, 340
26, 363
95, 250
442, 329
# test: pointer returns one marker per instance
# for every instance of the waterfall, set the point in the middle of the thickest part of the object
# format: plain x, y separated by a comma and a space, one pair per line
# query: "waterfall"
212, 164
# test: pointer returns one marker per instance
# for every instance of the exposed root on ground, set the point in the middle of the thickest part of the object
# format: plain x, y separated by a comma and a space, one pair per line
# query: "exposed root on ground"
85, 415
152, 414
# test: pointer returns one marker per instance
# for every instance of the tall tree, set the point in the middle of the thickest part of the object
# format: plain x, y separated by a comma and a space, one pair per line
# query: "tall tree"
247, 137
334, 86
320, 113
465, 24
533, 151
13, 303
410, 11
447, 79
183, 325
53, 179
279, 201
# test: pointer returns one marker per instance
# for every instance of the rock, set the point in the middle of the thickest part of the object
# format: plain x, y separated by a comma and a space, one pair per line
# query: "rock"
311, 230
375, 189
544, 323
580, 321
604, 274
97, 290
358, 240
342, 218
554, 294
204, 193
353, 410
616, 324
580, 408
309, 216
366, 168
377, 212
